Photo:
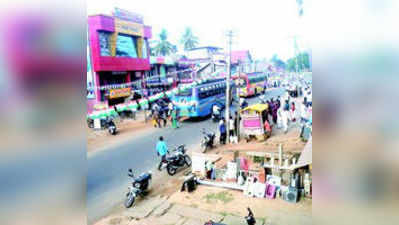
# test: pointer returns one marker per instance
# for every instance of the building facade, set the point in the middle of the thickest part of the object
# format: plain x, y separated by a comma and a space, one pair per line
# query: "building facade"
119, 54
241, 57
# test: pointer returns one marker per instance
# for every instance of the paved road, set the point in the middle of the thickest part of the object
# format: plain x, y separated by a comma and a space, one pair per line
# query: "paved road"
107, 170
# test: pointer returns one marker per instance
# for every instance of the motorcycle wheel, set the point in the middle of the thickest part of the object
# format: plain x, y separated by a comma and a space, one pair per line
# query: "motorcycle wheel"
171, 170
203, 147
187, 160
129, 200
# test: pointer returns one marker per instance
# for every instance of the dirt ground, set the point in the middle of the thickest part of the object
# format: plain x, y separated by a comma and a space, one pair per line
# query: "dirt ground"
237, 202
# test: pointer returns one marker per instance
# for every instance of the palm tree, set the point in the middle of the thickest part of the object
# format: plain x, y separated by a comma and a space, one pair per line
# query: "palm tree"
162, 46
188, 39
300, 7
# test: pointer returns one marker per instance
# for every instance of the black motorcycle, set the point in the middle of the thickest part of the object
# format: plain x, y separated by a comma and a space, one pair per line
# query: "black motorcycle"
207, 141
178, 158
250, 219
139, 187
111, 126
216, 115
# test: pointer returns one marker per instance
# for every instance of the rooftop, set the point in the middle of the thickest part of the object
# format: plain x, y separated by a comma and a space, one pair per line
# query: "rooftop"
241, 55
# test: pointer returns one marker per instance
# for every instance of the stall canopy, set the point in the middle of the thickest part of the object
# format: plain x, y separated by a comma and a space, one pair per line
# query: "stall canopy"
306, 156
256, 107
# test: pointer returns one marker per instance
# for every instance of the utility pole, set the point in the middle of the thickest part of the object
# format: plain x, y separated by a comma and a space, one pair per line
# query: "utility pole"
238, 86
227, 114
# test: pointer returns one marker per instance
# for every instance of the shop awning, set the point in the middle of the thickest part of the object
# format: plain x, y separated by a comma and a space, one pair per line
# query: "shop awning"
306, 156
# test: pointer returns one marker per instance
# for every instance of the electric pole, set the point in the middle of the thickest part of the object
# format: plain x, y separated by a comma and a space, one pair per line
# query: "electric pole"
228, 76
238, 86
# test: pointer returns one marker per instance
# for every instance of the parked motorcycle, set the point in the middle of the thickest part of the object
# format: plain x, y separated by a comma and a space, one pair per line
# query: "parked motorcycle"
250, 219
207, 141
139, 187
178, 158
216, 115
90, 122
111, 126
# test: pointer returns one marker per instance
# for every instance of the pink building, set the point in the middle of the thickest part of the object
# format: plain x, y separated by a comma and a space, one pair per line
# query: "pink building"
119, 55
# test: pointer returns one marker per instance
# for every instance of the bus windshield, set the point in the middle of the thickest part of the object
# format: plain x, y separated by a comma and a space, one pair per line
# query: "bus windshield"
241, 82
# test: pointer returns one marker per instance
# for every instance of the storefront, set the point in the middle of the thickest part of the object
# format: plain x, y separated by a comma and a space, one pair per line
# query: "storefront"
119, 55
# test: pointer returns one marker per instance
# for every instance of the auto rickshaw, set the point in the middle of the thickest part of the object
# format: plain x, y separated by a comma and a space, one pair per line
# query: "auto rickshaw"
252, 120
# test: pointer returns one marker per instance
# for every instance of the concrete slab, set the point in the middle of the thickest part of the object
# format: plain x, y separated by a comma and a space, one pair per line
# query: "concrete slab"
162, 209
144, 208
233, 220
193, 222
195, 214
169, 219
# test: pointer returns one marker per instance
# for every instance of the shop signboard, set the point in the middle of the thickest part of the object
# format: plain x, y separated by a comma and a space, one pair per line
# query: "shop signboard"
127, 27
90, 81
120, 92
126, 15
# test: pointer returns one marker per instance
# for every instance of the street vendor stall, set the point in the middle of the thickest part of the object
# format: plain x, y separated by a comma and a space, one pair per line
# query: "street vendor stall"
253, 118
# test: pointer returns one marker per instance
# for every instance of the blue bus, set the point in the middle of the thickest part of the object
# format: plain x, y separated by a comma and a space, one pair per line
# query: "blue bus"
199, 100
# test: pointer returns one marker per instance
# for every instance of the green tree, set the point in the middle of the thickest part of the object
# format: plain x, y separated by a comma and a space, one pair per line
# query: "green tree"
162, 46
277, 62
189, 40
303, 62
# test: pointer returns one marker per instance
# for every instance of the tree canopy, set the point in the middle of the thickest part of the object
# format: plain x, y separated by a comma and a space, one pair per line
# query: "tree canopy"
162, 46
188, 40
303, 62
277, 62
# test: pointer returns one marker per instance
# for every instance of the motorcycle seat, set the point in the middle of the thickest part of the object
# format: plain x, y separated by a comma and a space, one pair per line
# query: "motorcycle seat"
142, 178
171, 158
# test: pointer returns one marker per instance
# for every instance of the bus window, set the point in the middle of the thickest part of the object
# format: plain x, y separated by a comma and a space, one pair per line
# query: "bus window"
185, 93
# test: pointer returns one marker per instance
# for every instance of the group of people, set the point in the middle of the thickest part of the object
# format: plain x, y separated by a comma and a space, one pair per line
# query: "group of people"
283, 111
160, 113
233, 126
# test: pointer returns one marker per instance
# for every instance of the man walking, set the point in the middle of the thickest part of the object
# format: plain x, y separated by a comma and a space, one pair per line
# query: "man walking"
232, 129
222, 130
162, 149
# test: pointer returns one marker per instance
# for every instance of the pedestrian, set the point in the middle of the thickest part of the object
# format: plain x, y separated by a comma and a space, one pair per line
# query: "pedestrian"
278, 102
170, 108
155, 119
284, 117
162, 116
134, 111
309, 98
279, 117
209, 169
293, 112
174, 119
268, 129
274, 112
236, 124
162, 150
231, 127
304, 112
138, 105
222, 130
